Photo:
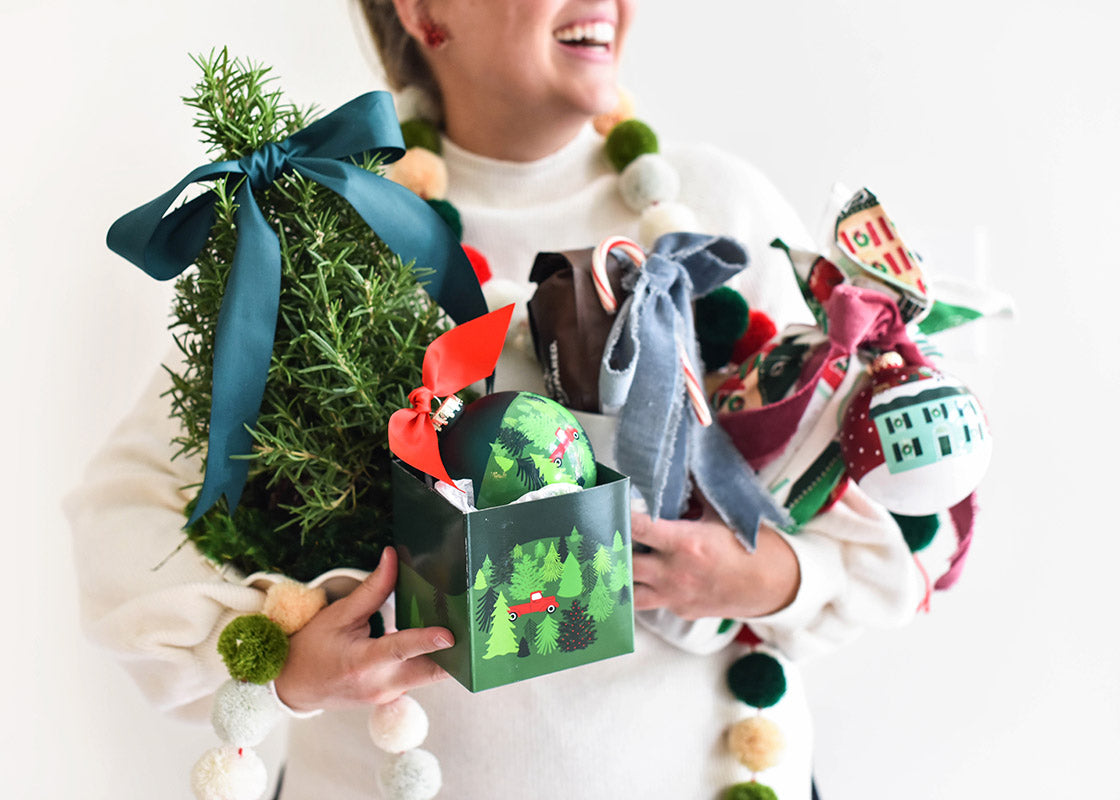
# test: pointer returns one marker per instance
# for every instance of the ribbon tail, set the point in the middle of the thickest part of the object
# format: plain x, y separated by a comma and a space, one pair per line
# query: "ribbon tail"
466, 353
242, 354
410, 228
730, 485
414, 441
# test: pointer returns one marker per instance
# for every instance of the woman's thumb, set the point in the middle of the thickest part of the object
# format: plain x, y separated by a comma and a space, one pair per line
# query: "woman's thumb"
372, 593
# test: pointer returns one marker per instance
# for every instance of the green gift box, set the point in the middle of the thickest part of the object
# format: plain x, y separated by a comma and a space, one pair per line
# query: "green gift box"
526, 588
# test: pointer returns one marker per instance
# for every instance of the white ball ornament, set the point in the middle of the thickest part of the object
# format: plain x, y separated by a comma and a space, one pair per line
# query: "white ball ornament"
398, 726
664, 218
413, 775
229, 773
915, 439
243, 713
646, 180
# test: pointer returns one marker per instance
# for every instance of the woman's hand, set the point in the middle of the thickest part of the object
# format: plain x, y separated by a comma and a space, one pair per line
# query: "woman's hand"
332, 662
699, 569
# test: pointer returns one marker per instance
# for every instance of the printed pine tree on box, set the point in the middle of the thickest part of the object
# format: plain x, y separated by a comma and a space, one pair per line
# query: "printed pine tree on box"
526, 588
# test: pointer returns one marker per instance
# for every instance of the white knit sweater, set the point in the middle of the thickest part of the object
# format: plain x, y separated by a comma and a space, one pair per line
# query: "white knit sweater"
649, 724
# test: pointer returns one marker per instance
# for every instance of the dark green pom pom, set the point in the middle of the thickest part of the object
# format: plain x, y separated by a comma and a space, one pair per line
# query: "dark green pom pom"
421, 133
750, 791
757, 679
917, 531
376, 625
722, 315
450, 215
254, 648
628, 140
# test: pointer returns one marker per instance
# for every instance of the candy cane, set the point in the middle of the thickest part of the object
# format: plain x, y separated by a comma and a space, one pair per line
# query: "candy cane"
599, 267
694, 388
610, 305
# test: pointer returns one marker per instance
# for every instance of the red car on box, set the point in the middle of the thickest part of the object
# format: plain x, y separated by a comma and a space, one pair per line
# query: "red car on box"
536, 603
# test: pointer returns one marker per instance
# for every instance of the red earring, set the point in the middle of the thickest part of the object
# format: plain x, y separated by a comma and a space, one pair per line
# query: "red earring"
435, 35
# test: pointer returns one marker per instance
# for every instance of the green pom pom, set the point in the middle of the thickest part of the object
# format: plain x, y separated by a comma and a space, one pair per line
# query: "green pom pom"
421, 133
254, 648
750, 791
917, 531
757, 679
628, 140
450, 215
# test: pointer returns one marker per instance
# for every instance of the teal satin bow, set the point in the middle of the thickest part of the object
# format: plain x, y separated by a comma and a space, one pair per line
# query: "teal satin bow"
164, 246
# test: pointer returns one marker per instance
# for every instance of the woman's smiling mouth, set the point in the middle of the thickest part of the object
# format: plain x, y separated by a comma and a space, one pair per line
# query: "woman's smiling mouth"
596, 36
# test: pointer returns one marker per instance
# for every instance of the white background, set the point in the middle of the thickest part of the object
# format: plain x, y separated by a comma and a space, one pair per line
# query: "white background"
989, 128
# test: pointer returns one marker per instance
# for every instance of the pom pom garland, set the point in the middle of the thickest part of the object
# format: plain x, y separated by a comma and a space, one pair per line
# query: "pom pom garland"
750, 791
398, 726
291, 605
414, 775
757, 679
253, 648
628, 140
757, 743
243, 713
229, 773
647, 180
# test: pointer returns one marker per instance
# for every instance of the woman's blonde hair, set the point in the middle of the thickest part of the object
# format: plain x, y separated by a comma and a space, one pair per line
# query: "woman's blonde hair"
400, 54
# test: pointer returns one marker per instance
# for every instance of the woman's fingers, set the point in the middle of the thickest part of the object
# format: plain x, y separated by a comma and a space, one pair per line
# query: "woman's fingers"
399, 661
646, 598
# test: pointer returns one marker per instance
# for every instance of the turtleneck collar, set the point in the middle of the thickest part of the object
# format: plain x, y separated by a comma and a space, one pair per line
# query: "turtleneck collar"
478, 180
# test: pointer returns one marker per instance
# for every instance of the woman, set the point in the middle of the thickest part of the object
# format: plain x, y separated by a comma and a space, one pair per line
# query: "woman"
517, 84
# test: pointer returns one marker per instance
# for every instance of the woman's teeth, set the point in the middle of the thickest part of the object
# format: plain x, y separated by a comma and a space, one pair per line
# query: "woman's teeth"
588, 34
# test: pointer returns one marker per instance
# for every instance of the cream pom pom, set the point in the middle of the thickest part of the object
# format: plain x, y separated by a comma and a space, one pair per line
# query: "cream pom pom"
648, 179
291, 605
623, 110
414, 775
244, 713
421, 171
757, 743
229, 773
664, 218
398, 726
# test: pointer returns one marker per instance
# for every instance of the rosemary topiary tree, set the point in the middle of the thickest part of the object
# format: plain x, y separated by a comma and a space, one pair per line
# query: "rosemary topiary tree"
353, 325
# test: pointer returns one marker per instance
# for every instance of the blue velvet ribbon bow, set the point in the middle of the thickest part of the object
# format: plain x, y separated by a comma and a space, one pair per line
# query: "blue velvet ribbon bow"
164, 244
659, 443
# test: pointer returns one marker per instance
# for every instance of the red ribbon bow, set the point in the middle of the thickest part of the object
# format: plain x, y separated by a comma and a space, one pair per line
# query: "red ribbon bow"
456, 359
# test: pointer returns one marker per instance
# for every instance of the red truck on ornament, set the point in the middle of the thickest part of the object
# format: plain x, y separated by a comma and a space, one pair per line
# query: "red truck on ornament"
537, 602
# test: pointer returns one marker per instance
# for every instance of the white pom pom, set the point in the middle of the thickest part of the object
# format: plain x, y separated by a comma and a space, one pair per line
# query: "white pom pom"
500, 292
398, 726
412, 101
413, 775
243, 713
664, 218
648, 179
229, 773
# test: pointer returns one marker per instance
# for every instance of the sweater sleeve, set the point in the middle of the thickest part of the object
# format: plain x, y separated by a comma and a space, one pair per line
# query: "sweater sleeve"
146, 593
856, 573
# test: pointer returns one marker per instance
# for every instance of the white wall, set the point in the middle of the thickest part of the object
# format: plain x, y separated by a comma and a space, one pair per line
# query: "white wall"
983, 120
